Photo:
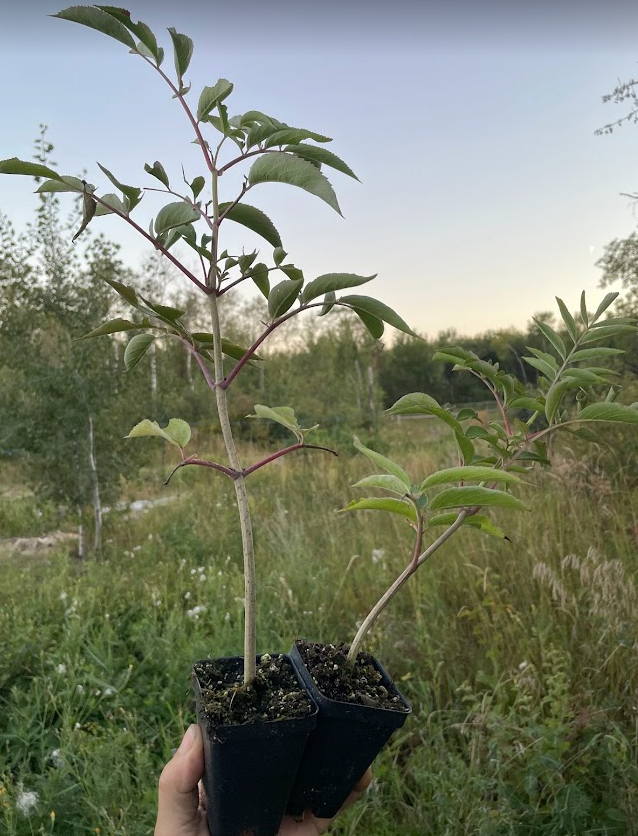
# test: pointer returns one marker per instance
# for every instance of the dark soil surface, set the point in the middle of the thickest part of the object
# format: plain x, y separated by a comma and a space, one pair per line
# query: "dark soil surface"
274, 695
362, 685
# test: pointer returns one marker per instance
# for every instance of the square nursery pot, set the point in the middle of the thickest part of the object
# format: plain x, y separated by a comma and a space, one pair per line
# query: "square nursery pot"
346, 740
249, 768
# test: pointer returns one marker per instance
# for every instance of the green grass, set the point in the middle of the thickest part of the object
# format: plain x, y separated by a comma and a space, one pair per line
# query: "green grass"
519, 661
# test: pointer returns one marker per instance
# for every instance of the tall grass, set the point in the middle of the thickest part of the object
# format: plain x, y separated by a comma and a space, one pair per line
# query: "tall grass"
519, 658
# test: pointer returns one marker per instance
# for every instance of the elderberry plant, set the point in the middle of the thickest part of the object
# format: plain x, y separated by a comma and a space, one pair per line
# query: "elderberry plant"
278, 153
492, 453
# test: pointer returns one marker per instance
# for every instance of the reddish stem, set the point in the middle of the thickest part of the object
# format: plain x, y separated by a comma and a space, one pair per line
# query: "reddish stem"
234, 474
285, 451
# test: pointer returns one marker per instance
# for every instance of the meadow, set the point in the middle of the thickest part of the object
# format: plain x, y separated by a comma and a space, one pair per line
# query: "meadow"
519, 658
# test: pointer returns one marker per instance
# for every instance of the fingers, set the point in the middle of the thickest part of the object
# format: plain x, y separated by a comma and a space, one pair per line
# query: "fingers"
178, 797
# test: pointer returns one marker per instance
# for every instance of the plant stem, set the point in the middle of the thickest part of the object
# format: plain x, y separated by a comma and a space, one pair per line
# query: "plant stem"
284, 452
387, 596
250, 639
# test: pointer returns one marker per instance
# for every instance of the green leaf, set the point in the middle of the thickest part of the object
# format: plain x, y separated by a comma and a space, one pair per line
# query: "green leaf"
178, 432
253, 219
603, 331
321, 155
418, 403
283, 415
132, 192
88, 211
609, 412
551, 335
479, 521
609, 298
282, 297
534, 404
64, 184
278, 255
197, 185
329, 303
331, 282
554, 397
284, 168
287, 135
386, 482
465, 446
95, 18
147, 38
211, 96
157, 170
165, 312
373, 324
183, 52
378, 310
387, 464
542, 366
174, 214
568, 319
293, 273
110, 203
127, 293
543, 355
583, 310
259, 274
584, 377
595, 353
16, 166
114, 326
136, 349
378, 503
467, 474
470, 496
455, 354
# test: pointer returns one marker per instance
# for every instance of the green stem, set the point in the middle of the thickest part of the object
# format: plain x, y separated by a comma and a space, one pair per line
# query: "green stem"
250, 640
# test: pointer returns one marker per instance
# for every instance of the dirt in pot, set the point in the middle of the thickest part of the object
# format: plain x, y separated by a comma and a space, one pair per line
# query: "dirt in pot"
275, 693
361, 685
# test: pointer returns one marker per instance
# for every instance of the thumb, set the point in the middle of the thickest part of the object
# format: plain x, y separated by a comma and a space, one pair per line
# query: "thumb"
178, 798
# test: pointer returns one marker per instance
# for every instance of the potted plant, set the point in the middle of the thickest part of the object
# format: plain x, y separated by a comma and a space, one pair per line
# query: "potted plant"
254, 711
493, 456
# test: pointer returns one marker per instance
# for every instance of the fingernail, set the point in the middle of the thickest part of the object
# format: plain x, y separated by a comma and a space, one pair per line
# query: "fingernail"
188, 739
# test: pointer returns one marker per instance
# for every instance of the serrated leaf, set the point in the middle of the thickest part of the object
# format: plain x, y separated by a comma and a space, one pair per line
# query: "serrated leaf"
127, 293
595, 353
253, 219
282, 297
163, 311
16, 166
384, 481
174, 214
147, 38
568, 319
378, 503
278, 255
329, 303
535, 404
478, 521
373, 324
387, 464
321, 155
259, 274
285, 168
377, 309
293, 273
542, 367
612, 412
197, 185
114, 326
136, 349
158, 171
95, 18
607, 301
210, 97
332, 282
553, 338
467, 474
182, 51
109, 203
178, 432
284, 136
64, 184
133, 194
470, 496
283, 415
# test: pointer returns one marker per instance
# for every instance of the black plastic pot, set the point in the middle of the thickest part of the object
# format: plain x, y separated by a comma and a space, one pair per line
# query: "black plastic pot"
346, 740
250, 769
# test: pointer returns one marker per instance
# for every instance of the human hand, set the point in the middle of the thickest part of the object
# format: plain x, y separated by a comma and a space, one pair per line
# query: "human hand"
179, 808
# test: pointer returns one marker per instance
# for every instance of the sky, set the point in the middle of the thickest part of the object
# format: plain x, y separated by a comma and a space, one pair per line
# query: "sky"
484, 192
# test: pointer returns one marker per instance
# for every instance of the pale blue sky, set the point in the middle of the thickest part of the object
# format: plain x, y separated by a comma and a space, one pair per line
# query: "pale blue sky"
484, 191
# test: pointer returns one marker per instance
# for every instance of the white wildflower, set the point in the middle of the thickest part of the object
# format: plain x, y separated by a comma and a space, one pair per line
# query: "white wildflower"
187, 596
202, 578
150, 537
63, 596
97, 692
77, 726
61, 669
522, 665
26, 801
227, 617
107, 616
201, 569
137, 548
218, 505
56, 759
109, 691
182, 563
195, 613
79, 689
193, 571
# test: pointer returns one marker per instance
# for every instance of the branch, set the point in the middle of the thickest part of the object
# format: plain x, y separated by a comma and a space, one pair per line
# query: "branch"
234, 474
285, 451
185, 199
200, 362
229, 208
243, 157
157, 246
